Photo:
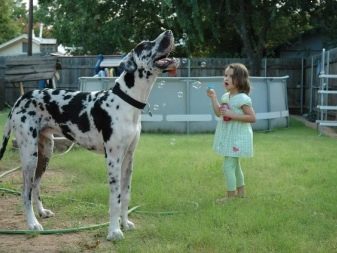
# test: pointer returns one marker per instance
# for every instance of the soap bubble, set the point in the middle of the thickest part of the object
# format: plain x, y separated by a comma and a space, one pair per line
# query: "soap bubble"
203, 64
180, 94
182, 42
161, 84
155, 107
197, 85
183, 60
211, 86
173, 141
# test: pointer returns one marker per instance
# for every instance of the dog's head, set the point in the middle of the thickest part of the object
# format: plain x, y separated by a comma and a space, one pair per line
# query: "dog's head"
152, 55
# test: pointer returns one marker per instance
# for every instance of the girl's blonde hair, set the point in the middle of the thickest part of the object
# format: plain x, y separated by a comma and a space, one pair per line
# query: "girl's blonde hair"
240, 77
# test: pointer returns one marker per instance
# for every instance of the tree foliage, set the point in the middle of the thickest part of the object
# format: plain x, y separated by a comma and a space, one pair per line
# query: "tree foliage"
231, 28
324, 17
11, 17
263, 25
102, 26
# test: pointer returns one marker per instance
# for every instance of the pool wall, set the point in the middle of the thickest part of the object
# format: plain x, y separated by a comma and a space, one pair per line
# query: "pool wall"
180, 104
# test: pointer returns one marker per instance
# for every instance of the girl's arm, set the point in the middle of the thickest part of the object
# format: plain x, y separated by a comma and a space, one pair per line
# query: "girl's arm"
247, 116
215, 104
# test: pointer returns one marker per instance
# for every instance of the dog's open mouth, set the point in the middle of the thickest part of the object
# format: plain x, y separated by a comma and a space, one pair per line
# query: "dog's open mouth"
166, 63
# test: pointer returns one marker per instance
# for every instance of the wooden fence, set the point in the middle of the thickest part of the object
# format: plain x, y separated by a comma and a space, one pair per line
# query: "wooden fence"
78, 66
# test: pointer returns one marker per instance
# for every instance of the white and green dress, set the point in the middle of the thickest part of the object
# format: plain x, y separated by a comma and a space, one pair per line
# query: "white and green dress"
234, 138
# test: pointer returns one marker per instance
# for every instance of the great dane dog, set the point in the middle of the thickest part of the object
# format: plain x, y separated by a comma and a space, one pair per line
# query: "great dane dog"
105, 121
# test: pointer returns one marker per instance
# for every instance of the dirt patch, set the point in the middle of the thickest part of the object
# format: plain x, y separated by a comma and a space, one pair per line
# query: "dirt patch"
12, 218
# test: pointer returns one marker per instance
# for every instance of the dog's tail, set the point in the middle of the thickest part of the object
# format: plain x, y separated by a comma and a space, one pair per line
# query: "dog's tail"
5, 138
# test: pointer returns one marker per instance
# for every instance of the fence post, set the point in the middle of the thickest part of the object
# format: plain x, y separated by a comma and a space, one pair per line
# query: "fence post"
302, 88
2, 82
311, 84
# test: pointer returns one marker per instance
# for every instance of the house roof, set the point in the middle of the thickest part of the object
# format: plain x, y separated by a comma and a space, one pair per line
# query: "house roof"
36, 40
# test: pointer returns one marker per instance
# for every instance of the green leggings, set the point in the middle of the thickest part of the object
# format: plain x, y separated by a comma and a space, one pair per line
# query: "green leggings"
233, 173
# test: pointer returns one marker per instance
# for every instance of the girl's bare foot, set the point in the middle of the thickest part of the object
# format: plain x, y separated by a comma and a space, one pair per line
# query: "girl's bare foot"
230, 195
241, 191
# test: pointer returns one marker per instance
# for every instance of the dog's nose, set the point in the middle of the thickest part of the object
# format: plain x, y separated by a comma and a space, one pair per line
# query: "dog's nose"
168, 33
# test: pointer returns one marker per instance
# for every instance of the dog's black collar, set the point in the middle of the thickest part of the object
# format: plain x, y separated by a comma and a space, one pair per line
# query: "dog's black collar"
117, 90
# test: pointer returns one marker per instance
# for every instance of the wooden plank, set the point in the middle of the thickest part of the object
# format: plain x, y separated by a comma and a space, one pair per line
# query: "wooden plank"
29, 68
78, 67
22, 90
2, 84
30, 77
19, 70
2, 93
30, 60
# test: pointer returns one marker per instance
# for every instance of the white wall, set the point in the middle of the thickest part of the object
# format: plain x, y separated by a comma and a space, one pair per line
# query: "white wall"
16, 49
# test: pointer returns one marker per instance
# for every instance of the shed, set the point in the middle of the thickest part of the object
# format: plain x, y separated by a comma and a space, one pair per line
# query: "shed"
19, 46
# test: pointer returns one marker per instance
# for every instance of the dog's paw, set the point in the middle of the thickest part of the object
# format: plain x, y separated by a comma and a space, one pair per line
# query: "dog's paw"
45, 213
128, 225
35, 226
115, 235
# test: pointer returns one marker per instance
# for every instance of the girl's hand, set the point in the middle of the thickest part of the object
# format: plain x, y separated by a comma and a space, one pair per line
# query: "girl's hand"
248, 116
227, 113
211, 93
215, 103
223, 110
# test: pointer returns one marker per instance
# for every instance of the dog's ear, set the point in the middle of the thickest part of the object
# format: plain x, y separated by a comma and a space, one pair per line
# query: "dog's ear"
128, 63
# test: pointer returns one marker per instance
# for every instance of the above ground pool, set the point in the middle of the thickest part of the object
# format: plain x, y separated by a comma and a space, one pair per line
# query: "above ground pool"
180, 104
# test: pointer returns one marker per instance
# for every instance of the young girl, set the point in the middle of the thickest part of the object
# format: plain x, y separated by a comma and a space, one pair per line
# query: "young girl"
233, 135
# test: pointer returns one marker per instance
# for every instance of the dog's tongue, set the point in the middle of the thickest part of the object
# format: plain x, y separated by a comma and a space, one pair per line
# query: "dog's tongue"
172, 71
165, 62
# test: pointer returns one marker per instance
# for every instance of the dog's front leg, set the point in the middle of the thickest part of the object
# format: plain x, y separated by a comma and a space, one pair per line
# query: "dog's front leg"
114, 172
126, 188
127, 168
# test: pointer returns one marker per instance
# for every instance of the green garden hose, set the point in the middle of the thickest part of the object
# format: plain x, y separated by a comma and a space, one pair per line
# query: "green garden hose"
78, 229
74, 230
52, 231
9, 171
58, 231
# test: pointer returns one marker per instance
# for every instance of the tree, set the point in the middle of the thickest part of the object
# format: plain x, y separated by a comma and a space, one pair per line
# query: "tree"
223, 28
207, 32
110, 26
263, 25
102, 26
9, 27
251, 29
324, 19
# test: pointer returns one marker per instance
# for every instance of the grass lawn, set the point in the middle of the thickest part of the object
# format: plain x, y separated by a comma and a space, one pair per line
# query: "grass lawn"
291, 203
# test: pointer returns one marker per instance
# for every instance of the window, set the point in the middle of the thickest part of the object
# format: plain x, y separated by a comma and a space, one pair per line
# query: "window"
24, 47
